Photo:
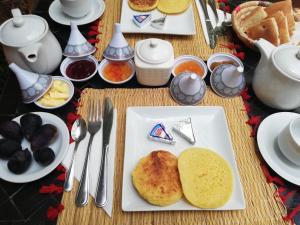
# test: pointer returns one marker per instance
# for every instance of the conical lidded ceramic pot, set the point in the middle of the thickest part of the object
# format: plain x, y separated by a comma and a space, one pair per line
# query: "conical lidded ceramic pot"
187, 89
77, 45
228, 80
118, 48
33, 85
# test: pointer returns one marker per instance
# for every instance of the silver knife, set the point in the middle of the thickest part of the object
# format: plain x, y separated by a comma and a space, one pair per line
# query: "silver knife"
101, 191
213, 6
210, 30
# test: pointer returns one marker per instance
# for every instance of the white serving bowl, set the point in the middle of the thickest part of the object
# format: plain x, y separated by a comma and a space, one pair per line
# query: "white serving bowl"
185, 58
219, 57
67, 61
104, 62
71, 93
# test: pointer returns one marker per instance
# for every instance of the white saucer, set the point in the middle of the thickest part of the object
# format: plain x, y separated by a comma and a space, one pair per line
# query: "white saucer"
267, 134
55, 12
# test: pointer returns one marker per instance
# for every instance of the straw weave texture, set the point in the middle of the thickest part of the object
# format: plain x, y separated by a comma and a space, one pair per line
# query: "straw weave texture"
261, 206
183, 45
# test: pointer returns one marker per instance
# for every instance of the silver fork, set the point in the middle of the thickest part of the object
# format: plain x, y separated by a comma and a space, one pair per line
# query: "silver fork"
94, 125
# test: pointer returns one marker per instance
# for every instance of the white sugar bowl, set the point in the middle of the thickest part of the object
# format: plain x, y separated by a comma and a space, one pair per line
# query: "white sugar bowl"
154, 60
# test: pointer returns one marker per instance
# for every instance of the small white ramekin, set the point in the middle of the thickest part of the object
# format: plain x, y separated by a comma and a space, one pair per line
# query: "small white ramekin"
67, 61
219, 57
185, 58
71, 93
104, 62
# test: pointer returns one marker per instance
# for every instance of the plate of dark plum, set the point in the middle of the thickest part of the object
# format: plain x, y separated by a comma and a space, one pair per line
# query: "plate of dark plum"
31, 146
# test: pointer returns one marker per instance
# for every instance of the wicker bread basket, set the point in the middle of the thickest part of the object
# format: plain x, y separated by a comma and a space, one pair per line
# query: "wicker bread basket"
238, 16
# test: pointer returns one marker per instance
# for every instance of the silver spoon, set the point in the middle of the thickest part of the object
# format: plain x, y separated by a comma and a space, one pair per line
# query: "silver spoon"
78, 133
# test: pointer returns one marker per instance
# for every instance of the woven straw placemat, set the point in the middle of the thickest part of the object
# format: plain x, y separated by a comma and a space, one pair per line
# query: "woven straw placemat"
261, 206
183, 45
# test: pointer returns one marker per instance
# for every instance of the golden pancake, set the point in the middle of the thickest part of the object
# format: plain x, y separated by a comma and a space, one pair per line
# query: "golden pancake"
142, 5
206, 178
156, 178
173, 6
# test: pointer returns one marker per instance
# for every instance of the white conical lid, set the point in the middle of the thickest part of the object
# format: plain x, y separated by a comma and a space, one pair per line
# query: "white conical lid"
24, 77
287, 58
77, 45
232, 76
33, 85
76, 38
191, 84
22, 29
118, 40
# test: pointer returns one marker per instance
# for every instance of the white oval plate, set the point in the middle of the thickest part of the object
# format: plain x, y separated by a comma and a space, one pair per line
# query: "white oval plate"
36, 171
267, 134
97, 9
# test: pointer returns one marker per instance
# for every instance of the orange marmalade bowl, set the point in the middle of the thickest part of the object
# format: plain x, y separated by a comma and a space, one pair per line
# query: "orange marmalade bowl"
189, 63
116, 72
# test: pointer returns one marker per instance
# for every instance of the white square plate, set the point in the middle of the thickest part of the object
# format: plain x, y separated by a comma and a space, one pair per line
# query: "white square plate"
210, 130
179, 24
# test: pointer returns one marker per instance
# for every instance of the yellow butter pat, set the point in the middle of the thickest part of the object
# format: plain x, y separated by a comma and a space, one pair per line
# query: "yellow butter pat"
52, 102
59, 95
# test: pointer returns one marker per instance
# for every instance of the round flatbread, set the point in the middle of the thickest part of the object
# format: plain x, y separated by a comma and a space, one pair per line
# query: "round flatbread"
142, 5
206, 178
156, 178
173, 6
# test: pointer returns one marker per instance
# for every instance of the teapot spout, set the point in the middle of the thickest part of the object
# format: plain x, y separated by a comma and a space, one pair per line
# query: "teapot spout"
265, 48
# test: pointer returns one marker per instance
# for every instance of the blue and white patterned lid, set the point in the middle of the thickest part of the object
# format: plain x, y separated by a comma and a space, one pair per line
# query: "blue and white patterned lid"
228, 80
188, 89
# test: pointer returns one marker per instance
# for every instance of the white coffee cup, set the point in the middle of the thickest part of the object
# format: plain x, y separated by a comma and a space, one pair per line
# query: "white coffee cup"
76, 8
289, 141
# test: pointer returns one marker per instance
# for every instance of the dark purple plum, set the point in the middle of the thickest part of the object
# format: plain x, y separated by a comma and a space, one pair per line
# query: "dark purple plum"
11, 130
43, 136
8, 148
20, 161
30, 123
44, 156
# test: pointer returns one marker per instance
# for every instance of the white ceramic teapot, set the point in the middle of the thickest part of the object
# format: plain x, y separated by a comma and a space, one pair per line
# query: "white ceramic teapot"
276, 80
28, 42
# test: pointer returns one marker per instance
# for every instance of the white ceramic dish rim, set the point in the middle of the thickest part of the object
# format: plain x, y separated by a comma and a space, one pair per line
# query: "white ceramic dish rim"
68, 60
65, 20
183, 58
154, 115
281, 119
71, 89
105, 61
61, 126
223, 54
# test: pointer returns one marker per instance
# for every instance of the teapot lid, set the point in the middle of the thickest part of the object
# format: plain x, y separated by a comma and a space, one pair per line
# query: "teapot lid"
155, 51
287, 60
22, 29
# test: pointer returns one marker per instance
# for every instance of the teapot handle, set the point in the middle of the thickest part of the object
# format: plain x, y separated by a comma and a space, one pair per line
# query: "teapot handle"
30, 53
